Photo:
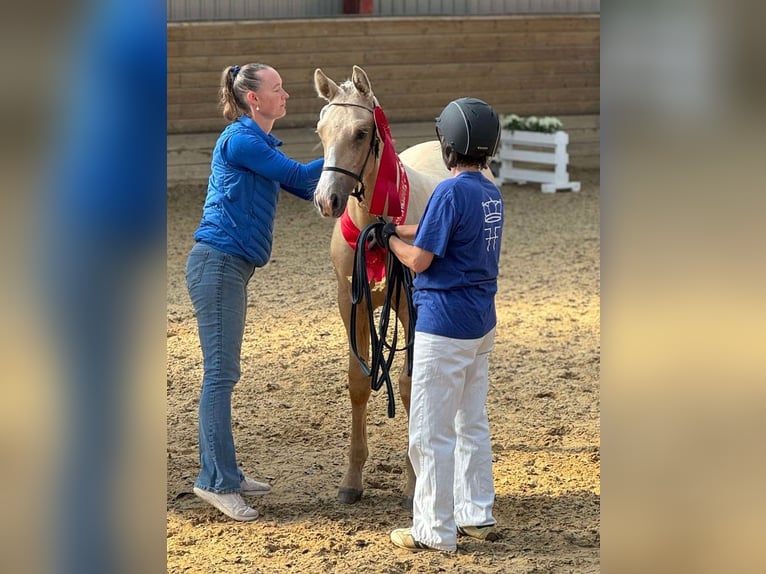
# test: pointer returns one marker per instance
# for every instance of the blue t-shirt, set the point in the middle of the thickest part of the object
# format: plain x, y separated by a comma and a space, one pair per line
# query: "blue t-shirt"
463, 227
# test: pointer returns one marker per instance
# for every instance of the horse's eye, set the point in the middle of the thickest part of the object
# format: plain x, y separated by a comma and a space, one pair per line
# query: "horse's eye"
361, 134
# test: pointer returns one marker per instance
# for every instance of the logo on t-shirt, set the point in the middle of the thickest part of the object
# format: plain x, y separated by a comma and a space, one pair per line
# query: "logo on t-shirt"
492, 214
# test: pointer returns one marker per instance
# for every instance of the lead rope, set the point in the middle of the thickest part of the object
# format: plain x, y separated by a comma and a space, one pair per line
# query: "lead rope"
398, 281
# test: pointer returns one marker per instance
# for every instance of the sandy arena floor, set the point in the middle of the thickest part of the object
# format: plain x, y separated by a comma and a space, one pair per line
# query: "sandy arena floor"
292, 414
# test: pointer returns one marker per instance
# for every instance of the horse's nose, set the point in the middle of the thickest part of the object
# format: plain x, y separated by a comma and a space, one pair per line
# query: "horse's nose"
335, 202
325, 204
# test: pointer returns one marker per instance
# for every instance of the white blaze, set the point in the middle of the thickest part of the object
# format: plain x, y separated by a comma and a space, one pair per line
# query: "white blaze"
325, 179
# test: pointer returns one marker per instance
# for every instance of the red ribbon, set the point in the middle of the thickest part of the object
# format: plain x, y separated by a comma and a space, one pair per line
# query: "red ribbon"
392, 185
376, 257
392, 182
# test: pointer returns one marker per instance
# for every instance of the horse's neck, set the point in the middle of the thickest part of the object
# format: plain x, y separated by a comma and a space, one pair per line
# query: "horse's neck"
421, 187
360, 213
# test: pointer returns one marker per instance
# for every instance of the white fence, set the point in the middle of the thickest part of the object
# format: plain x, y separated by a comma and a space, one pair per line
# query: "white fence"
543, 158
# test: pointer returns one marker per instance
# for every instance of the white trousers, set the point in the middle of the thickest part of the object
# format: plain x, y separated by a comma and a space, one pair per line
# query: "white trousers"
449, 443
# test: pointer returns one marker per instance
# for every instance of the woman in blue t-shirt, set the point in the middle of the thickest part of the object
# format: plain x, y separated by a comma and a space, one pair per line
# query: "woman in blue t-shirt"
454, 251
232, 240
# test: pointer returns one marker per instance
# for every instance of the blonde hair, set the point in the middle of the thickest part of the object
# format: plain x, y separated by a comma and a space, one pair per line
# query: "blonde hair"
235, 83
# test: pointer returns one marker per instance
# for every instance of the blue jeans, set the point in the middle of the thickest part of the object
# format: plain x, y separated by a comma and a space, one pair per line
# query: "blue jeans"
217, 284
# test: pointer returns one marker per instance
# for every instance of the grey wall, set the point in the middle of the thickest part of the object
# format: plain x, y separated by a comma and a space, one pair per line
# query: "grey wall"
201, 10
189, 10
484, 7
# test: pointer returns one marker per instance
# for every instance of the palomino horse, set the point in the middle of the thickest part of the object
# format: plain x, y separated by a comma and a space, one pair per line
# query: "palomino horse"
352, 160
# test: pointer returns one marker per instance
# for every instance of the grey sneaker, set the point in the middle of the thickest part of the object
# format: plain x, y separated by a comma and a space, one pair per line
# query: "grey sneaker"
252, 487
488, 532
231, 504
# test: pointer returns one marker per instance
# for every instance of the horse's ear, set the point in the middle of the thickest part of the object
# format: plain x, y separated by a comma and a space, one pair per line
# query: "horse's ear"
324, 86
361, 81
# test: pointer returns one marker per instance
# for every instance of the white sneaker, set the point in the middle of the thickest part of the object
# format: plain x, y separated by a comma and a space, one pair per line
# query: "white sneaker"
488, 532
231, 504
403, 538
252, 487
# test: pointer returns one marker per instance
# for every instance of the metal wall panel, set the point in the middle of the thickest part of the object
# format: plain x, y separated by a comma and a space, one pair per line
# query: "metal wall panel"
483, 7
197, 10
201, 10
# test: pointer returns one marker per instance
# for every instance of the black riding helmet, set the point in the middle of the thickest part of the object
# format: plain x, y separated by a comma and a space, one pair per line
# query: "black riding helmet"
470, 127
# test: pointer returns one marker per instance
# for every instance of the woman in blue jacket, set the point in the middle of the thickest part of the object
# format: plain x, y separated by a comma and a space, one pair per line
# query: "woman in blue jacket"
234, 237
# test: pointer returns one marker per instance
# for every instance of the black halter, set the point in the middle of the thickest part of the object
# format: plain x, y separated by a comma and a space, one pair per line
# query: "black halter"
359, 189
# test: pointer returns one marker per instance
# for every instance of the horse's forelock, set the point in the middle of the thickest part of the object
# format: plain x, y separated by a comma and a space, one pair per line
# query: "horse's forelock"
348, 92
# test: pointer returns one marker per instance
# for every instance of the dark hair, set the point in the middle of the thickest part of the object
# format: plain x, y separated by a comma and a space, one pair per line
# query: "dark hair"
235, 83
453, 159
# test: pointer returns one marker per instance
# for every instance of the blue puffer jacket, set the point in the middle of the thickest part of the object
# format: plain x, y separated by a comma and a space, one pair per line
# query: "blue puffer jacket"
247, 172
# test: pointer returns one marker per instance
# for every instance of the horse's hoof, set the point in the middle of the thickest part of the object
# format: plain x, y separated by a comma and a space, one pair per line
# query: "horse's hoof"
349, 495
407, 503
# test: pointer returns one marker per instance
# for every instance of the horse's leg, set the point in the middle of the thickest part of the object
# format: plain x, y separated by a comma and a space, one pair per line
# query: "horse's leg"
405, 388
350, 490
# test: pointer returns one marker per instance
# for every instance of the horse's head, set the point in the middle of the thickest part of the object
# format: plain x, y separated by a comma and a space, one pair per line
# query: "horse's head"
346, 128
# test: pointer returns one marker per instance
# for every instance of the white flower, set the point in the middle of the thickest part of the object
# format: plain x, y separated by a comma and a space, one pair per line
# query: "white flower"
532, 123
511, 122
